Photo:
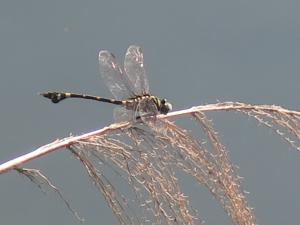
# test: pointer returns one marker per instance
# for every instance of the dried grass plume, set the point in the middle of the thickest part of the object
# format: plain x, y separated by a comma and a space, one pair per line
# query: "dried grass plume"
147, 157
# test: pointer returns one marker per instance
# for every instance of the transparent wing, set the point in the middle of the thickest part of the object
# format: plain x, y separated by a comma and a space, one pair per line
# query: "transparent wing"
148, 111
135, 71
121, 114
113, 76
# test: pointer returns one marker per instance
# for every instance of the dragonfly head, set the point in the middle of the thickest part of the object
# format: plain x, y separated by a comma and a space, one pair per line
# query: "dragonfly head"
165, 106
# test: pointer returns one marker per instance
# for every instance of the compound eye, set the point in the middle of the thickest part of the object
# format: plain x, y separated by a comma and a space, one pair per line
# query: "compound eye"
163, 101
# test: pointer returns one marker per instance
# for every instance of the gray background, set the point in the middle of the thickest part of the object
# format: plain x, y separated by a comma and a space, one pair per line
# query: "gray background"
196, 52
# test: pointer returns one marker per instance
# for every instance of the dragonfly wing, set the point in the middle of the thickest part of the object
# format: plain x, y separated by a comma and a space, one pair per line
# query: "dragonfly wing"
113, 76
121, 114
147, 111
135, 71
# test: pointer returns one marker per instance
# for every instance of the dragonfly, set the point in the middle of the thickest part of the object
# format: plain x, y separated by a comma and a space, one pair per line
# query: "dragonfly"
129, 86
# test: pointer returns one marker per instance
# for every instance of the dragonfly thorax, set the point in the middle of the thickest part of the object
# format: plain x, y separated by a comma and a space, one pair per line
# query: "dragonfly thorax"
138, 102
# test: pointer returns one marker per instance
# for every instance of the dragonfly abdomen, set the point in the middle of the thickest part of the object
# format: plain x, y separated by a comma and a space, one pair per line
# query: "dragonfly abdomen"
56, 97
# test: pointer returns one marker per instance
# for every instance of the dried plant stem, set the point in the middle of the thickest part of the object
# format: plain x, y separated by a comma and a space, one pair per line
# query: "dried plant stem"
56, 145
230, 106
